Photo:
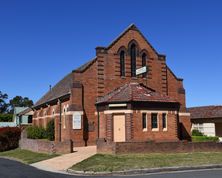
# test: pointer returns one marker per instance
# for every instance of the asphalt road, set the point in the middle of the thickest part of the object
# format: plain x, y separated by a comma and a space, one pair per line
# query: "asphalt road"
14, 169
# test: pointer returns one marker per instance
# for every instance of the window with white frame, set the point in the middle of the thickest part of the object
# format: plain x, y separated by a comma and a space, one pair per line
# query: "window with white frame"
164, 121
144, 121
154, 121
77, 121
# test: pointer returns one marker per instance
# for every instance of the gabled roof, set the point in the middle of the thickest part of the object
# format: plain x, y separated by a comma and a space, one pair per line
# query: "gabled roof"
27, 111
131, 27
205, 112
134, 92
19, 109
60, 89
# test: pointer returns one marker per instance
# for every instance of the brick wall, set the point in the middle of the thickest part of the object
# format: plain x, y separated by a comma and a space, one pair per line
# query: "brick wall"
44, 146
156, 147
170, 134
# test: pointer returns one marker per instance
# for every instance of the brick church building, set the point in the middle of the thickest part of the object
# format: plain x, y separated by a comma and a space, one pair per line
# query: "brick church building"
126, 93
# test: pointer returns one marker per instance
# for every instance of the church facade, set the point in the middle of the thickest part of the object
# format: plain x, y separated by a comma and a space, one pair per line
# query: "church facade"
126, 93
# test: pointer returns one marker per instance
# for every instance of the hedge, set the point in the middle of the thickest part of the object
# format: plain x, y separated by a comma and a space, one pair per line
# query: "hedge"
50, 130
204, 139
197, 133
34, 132
6, 117
9, 138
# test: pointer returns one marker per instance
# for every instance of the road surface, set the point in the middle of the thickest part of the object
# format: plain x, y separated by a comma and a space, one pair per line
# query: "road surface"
14, 169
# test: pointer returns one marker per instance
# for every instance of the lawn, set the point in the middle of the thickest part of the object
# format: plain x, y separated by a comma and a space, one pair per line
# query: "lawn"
26, 156
100, 163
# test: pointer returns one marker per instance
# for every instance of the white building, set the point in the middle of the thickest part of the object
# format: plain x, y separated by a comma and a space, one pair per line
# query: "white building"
207, 119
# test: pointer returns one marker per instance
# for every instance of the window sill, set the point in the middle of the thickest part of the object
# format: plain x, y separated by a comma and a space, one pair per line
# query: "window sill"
144, 130
165, 130
155, 130
123, 77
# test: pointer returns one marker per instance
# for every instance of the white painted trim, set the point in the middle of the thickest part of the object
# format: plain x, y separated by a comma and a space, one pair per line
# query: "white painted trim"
70, 113
73, 112
154, 111
145, 129
117, 111
184, 114
165, 129
158, 123
117, 105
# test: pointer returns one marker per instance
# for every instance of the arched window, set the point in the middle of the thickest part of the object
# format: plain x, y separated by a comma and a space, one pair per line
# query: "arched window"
144, 59
133, 60
64, 117
122, 63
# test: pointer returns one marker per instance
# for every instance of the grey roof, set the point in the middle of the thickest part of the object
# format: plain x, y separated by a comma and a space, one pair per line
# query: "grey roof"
27, 110
60, 89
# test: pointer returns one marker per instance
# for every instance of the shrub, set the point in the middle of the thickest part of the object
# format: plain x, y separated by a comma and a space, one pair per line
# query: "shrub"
50, 130
197, 133
204, 139
6, 117
34, 132
9, 138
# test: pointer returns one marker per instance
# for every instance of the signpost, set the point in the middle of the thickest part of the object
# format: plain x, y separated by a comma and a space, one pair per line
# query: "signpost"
141, 70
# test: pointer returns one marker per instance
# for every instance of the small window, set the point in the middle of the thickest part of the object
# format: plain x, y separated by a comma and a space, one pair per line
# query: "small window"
154, 121
29, 119
133, 60
122, 63
144, 121
164, 121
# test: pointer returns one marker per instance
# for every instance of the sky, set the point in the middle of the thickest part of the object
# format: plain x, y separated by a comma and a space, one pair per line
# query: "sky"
42, 41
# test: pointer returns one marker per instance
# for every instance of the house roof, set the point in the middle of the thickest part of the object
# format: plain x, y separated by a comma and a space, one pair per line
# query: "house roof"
60, 89
205, 112
134, 92
19, 109
27, 111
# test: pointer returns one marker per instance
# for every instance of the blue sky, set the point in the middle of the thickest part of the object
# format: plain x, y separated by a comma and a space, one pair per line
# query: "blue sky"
41, 41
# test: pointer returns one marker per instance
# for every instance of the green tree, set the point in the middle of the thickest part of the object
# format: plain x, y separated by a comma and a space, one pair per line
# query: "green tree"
19, 101
3, 104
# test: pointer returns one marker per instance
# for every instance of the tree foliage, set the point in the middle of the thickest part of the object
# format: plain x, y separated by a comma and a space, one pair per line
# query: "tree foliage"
19, 101
3, 103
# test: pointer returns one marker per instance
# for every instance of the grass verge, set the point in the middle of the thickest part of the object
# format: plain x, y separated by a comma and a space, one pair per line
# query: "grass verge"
100, 162
26, 156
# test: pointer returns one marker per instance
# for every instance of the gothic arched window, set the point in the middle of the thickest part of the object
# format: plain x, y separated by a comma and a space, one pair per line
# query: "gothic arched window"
144, 59
122, 63
133, 60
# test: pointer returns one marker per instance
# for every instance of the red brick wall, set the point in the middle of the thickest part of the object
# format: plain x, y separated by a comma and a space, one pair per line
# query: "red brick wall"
185, 127
170, 135
156, 147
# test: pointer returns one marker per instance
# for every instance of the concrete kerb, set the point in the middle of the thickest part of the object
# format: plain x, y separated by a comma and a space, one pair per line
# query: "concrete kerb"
144, 171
